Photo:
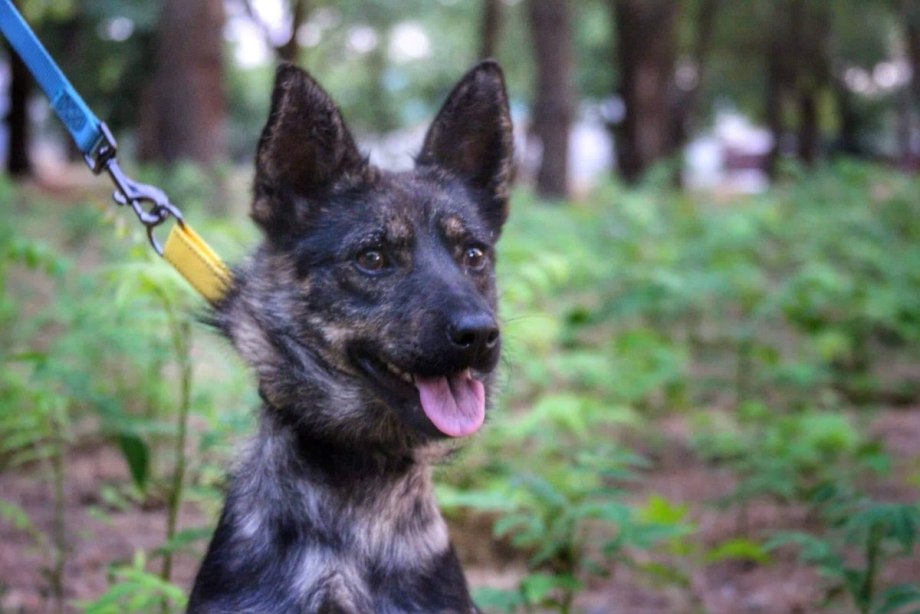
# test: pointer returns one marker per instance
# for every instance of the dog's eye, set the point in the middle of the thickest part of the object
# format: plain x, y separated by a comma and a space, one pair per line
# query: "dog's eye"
474, 259
372, 260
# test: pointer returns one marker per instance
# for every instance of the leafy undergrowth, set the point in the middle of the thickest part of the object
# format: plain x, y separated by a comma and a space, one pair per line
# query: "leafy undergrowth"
693, 393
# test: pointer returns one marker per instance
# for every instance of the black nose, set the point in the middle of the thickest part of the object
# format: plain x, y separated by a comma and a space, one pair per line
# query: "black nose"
473, 333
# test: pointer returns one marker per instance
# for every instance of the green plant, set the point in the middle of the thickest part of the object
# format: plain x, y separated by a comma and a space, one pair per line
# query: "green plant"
134, 589
577, 525
146, 285
39, 434
876, 532
105, 357
788, 457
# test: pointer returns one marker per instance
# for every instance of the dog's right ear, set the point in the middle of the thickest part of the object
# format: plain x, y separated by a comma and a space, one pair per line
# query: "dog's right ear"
305, 148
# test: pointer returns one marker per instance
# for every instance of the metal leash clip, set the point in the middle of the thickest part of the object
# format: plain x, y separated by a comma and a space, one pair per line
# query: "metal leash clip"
131, 192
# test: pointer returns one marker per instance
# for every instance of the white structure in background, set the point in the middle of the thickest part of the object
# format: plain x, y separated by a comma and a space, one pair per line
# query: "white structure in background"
731, 157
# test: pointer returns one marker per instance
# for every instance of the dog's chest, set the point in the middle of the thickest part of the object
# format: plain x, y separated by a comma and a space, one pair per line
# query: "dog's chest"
331, 582
293, 546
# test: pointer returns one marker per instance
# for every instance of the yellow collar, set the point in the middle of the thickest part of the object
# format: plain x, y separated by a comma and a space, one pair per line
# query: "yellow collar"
197, 262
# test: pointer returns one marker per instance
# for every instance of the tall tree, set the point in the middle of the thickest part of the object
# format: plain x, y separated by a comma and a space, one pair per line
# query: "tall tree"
910, 18
687, 99
798, 71
185, 106
289, 49
909, 14
554, 100
812, 29
490, 28
18, 162
780, 76
646, 53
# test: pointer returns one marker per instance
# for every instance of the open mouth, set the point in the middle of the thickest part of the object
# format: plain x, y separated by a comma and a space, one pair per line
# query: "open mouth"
454, 403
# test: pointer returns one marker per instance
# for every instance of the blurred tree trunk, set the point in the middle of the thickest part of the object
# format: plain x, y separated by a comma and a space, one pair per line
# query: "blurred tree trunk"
798, 72
811, 32
384, 115
183, 112
289, 50
686, 102
809, 137
646, 49
73, 50
910, 17
777, 82
848, 133
491, 26
18, 162
554, 100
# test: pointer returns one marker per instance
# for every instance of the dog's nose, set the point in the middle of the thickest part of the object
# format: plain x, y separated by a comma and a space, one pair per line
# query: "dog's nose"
473, 333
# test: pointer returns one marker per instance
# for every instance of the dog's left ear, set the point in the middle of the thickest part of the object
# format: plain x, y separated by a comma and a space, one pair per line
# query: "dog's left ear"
472, 139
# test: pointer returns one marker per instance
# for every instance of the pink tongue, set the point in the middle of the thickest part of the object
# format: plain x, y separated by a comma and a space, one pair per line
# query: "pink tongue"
455, 404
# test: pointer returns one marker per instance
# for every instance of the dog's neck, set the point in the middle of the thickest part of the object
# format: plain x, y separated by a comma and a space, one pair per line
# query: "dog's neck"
385, 502
336, 461
382, 505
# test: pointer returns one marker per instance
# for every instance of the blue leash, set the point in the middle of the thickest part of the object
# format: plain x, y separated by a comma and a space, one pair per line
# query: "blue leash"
83, 125
90, 134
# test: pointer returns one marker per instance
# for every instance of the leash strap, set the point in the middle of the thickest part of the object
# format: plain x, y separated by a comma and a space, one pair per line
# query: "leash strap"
185, 249
82, 124
197, 262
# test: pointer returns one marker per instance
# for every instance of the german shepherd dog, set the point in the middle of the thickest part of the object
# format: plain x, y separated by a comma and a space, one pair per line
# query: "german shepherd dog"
369, 315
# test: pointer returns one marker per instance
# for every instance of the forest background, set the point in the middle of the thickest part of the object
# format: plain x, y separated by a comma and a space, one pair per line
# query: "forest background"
710, 292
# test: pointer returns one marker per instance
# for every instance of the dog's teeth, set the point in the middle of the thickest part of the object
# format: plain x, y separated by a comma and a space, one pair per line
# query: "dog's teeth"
404, 376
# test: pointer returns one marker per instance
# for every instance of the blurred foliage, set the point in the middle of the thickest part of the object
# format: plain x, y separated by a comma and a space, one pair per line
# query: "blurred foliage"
765, 320
878, 532
107, 48
772, 326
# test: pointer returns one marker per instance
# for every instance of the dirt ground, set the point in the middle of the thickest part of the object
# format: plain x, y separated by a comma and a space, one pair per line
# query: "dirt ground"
782, 587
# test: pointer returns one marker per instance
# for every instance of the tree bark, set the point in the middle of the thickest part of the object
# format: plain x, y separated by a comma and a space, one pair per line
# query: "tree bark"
777, 82
554, 100
289, 51
910, 17
810, 27
490, 28
848, 134
646, 50
18, 163
686, 103
185, 107
809, 137
798, 71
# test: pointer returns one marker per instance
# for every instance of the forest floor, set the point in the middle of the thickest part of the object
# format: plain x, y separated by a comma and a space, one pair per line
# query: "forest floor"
105, 528
100, 534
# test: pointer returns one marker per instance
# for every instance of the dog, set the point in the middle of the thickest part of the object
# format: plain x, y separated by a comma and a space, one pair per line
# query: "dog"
368, 314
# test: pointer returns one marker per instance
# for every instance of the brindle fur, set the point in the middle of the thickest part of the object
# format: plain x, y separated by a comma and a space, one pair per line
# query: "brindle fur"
331, 509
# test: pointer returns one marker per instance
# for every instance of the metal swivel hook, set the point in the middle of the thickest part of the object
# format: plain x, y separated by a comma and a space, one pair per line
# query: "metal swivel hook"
150, 204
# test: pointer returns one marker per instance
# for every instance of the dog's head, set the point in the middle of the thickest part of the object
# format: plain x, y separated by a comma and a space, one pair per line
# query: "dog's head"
369, 311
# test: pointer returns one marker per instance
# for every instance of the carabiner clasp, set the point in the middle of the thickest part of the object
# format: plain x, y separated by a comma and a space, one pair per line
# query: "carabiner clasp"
135, 194
131, 192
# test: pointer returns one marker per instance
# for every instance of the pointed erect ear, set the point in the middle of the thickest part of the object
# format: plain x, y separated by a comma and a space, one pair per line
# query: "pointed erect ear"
305, 147
472, 139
